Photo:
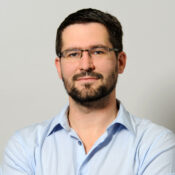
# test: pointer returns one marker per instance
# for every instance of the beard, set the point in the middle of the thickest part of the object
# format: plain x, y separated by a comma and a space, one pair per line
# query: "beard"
88, 93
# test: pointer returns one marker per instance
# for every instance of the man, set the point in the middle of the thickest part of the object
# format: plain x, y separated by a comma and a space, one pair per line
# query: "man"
94, 134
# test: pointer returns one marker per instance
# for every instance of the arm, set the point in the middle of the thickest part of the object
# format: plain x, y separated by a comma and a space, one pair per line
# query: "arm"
16, 159
159, 158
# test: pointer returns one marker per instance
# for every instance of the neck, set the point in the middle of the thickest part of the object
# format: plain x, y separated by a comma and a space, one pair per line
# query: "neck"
107, 104
91, 121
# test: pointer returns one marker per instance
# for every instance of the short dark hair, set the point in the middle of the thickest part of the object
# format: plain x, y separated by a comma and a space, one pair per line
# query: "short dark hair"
111, 23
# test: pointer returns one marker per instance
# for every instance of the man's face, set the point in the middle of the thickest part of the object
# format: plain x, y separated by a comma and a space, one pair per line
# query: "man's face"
88, 79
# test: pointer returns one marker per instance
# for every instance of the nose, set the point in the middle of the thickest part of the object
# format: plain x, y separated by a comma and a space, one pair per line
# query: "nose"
86, 62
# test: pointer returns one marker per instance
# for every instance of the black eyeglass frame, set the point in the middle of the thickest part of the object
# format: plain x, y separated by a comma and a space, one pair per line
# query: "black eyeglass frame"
60, 54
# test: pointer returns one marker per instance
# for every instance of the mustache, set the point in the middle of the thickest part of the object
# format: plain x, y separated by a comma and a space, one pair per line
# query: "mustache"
84, 74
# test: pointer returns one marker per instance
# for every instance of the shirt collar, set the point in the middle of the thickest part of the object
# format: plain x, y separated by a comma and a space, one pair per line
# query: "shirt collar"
61, 121
123, 118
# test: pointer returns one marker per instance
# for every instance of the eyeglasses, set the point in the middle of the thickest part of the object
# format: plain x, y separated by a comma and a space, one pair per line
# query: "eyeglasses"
95, 52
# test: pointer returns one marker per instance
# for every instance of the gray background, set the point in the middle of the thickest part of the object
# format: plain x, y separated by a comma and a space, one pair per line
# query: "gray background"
30, 90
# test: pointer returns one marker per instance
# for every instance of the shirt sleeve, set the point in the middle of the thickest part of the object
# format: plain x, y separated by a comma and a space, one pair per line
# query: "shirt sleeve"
16, 160
159, 158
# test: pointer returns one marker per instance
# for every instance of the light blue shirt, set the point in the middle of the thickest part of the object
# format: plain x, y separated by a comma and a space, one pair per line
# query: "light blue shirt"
130, 146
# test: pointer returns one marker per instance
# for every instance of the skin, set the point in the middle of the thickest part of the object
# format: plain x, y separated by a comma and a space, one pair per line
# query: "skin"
90, 121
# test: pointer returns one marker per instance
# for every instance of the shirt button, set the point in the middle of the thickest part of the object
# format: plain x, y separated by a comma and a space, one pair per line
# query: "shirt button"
79, 143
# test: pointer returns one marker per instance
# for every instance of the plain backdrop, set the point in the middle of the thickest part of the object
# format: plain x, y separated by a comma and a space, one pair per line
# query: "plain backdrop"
30, 90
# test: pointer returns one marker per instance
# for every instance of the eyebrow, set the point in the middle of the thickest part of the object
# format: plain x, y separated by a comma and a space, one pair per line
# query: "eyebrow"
91, 47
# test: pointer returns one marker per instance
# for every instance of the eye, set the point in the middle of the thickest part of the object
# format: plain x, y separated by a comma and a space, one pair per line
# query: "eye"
72, 54
98, 51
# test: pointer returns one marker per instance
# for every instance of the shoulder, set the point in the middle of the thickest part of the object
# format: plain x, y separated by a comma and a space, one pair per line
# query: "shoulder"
149, 130
155, 146
33, 134
148, 133
26, 140
143, 129
23, 146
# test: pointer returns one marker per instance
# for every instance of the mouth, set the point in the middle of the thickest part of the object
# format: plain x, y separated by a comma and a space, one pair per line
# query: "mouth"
86, 76
87, 79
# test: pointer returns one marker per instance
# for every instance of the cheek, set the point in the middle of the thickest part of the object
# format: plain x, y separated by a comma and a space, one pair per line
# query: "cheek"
106, 67
68, 70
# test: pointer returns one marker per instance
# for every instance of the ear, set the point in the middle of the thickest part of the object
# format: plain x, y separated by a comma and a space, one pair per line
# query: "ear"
121, 62
58, 66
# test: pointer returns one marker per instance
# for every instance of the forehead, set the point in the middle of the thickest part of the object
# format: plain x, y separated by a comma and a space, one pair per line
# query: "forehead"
85, 35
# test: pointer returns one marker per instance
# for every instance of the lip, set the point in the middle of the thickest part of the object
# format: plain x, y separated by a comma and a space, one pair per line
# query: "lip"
87, 79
